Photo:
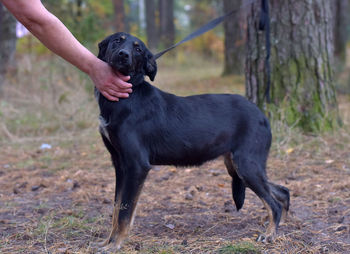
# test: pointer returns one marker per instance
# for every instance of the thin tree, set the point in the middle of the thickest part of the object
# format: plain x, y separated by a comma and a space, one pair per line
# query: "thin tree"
166, 19
7, 41
341, 25
119, 16
151, 28
302, 87
235, 37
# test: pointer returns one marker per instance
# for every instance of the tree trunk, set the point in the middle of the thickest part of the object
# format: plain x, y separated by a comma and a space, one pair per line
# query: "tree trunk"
7, 41
341, 23
302, 89
79, 6
119, 18
151, 28
166, 18
235, 38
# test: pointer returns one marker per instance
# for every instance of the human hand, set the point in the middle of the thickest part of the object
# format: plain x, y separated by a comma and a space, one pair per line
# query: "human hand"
110, 83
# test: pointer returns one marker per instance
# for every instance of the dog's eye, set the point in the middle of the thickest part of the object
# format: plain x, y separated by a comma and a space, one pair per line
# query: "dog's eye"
138, 49
117, 40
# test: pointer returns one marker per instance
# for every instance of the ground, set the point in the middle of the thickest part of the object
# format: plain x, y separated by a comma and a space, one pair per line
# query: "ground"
59, 199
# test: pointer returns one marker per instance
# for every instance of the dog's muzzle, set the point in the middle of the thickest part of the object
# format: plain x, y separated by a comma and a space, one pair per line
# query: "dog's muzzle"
123, 56
121, 61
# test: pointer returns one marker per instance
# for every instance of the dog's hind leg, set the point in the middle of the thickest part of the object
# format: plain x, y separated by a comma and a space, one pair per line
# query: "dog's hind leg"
281, 193
255, 178
237, 185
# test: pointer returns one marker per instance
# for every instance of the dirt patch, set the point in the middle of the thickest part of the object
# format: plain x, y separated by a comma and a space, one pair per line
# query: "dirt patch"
59, 200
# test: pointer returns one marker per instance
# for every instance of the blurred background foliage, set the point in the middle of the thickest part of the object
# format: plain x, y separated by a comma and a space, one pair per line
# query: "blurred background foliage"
45, 100
40, 94
90, 21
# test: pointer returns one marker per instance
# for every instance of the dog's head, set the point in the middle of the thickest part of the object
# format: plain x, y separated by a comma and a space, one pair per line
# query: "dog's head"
128, 55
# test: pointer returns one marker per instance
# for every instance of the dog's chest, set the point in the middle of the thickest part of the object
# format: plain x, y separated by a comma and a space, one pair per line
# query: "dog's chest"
103, 127
103, 121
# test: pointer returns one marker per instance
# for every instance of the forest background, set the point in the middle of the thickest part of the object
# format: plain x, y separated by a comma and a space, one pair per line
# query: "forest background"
56, 179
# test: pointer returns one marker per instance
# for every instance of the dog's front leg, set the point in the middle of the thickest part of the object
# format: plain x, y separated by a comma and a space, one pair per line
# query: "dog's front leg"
119, 182
126, 201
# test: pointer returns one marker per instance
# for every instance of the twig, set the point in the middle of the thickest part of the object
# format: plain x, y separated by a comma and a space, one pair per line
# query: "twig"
8, 133
46, 233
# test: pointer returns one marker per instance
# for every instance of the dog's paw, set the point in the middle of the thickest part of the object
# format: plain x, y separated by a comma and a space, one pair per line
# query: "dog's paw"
102, 252
110, 248
100, 244
100, 248
266, 238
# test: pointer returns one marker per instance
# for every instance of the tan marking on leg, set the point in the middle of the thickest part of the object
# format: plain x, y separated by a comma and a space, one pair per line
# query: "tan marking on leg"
123, 231
133, 217
115, 216
284, 215
271, 229
125, 226
230, 165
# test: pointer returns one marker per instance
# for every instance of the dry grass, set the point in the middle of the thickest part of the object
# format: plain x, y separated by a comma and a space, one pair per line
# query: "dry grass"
59, 200
46, 97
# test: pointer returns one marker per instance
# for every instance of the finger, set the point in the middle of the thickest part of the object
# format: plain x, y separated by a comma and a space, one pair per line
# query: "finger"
122, 84
110, 97
128, 90
118, 94
113, 86
117, 89
122, 77
123, 95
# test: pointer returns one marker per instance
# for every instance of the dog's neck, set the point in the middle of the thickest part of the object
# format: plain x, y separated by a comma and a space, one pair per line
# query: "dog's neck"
136, 80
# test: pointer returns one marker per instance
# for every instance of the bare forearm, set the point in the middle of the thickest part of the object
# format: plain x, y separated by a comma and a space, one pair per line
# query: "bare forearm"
52, 33
55, 36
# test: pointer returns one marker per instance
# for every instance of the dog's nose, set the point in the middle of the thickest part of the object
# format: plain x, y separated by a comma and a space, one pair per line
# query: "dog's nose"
123, 54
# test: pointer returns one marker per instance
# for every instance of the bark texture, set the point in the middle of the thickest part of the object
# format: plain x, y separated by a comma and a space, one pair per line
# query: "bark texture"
235, 38
7, 41
302, 89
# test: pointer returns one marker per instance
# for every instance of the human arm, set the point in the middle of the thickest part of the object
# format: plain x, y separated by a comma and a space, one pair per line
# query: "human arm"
56, 37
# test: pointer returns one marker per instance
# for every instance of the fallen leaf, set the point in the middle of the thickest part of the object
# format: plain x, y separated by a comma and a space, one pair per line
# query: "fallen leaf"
171, 226
290, 150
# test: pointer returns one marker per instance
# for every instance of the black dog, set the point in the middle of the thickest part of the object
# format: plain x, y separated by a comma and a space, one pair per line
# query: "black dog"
152, 127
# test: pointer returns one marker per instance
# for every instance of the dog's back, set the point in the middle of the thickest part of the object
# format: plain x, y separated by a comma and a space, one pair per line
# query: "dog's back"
194, 129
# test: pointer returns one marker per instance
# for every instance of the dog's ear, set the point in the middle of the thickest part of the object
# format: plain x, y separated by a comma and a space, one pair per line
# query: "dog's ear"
150, 65
102, 47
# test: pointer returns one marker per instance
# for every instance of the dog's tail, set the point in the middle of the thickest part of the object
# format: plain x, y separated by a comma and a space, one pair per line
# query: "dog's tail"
238, 191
